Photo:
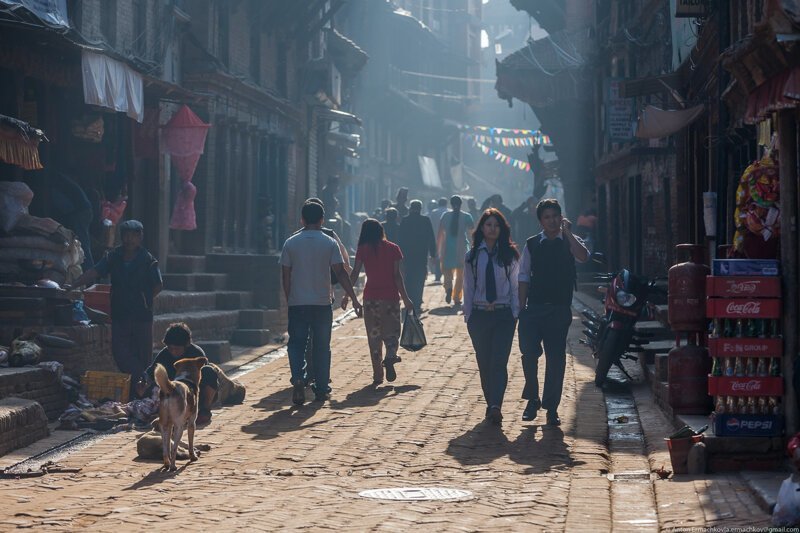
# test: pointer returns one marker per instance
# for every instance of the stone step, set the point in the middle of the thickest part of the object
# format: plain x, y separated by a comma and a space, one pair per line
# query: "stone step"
177, 301
37, 384
22, 422
205, 325
251, 337
234, 299
218, 352
186, 264
195, 282
254, 319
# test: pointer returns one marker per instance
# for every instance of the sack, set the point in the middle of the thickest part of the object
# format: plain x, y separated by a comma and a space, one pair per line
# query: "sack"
413, 336
787, 507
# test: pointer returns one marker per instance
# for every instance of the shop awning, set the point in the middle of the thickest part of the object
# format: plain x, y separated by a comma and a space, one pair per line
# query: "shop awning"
655, 123
52, 13
19, 143
347, 54
112, 84
335, 115
779, 92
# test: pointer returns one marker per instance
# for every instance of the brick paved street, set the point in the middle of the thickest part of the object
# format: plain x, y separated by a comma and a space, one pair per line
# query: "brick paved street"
275, 466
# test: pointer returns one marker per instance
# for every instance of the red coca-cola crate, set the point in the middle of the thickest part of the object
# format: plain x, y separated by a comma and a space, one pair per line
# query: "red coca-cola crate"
744, 386
743, 287
745, 347
743, 308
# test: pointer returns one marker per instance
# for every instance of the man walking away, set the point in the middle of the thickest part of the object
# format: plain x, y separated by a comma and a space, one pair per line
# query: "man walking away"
416, 241
391, 226
306, 260
546, 283
135, 282
436, 218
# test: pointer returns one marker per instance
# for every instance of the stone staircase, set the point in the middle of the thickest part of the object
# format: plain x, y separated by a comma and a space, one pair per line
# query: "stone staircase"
217, 316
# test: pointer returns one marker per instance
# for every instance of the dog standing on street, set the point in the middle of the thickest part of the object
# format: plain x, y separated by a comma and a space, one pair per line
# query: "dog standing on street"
178, 406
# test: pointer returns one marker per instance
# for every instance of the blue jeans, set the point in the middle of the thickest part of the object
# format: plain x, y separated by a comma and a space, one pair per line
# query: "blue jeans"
316, 319
492, 334
544, 324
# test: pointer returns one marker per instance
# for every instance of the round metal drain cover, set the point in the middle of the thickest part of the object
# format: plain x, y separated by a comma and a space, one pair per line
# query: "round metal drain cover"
414, 494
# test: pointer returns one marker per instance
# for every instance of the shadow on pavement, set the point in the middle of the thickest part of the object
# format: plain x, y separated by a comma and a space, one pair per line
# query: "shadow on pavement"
156, 477
444, 311
276, 400
285, 420
480, 445
370, 395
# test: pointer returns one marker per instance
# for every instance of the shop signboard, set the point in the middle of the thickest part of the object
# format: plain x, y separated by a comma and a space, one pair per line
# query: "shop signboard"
619, 113
691, 8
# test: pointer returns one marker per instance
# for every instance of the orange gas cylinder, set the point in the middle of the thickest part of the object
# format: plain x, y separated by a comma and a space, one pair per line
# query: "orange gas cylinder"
688, 367
687, 291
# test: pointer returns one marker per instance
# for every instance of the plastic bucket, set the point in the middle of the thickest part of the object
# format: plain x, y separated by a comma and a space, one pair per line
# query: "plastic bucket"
679, 452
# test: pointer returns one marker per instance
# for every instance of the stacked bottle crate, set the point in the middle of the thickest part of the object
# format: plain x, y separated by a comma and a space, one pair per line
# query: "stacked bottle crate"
746, 347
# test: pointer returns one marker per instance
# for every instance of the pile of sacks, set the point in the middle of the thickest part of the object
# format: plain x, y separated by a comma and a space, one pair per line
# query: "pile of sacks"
34, 248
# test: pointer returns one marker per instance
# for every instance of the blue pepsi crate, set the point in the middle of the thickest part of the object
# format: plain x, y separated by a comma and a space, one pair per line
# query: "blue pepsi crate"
746, 267
733, 425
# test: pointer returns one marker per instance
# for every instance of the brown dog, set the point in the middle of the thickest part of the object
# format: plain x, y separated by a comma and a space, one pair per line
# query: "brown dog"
178, 406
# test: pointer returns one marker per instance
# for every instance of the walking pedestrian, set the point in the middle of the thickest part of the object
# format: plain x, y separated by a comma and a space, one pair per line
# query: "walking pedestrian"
436, 218
472, 209
400, 202
417, 242
135, 282
546, 281
453, 241
391, 226
381, 260
491, 304
306, 260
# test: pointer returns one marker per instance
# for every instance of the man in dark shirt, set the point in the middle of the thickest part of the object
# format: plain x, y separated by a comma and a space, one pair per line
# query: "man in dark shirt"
135, 282
392, 225
546, 284
178, 345
416, 240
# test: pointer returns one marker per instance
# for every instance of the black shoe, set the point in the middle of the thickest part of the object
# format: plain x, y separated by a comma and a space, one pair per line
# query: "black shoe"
391, 375
299, 393
530, 410
552, 418
494, 415
320, 396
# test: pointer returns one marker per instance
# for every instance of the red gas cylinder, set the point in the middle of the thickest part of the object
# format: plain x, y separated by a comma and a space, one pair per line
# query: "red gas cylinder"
687, 291
688, 367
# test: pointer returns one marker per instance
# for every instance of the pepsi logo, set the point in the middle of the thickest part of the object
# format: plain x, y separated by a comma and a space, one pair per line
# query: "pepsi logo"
732, 424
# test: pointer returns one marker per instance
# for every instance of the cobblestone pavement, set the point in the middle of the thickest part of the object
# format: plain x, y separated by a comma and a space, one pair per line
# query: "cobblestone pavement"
274, 466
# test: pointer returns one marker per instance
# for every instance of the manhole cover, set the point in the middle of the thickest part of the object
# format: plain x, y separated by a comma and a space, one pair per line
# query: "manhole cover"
641, 475
414, 494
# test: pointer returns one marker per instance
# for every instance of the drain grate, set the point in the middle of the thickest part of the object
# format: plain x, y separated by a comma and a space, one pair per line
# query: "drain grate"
636, 475
414, 494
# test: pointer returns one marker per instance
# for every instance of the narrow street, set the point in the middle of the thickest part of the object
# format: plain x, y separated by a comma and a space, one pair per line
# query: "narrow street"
273, 466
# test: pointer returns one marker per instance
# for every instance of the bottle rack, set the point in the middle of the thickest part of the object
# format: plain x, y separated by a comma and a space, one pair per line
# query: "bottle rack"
746, 349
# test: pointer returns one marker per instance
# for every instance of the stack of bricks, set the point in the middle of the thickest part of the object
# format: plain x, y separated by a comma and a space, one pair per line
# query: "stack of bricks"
22, 422
34, 383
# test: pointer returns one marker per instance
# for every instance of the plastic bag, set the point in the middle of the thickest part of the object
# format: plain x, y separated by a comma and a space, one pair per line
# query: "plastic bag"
413, 336
787, 508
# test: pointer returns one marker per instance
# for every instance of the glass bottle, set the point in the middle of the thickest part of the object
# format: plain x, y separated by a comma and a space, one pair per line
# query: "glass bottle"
739, 333
729, 366
727, 328
730, 404
763, 328
762, 369
738, 369
775, 367
741, 405
763, 405
751, 328
716, 367
751, 405
719, 405
750, 367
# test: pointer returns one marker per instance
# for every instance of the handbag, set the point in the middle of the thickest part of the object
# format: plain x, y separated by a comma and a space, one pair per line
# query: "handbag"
413, 336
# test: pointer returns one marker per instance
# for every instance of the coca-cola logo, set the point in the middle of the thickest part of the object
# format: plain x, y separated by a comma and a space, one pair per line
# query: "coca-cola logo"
743, 287
753, 385
747, 308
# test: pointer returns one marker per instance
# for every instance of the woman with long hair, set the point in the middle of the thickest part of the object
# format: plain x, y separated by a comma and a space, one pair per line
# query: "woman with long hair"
453, 241
381, 260
491, 304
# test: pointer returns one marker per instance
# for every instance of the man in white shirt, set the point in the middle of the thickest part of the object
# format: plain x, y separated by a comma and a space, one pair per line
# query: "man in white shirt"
306, 260
436, 217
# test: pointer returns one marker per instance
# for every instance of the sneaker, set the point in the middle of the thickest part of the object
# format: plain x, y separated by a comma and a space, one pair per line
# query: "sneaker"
388, 364
299, 392
494, 415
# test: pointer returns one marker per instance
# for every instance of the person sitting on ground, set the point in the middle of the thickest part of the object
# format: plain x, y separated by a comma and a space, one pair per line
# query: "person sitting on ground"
178, 345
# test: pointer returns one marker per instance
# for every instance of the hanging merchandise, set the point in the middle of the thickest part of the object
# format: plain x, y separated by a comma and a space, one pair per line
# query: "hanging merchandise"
503, 158
555, 189
757, 214
184, 139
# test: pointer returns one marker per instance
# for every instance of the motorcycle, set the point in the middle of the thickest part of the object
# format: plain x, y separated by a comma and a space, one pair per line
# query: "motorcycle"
628, 298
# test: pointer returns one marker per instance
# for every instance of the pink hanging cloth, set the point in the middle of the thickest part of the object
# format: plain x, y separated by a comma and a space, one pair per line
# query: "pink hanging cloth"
184, 140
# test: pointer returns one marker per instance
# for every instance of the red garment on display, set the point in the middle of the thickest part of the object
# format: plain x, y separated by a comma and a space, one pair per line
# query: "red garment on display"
379, 265
183, 216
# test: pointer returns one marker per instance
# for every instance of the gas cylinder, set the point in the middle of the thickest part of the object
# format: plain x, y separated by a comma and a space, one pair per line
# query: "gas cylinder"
687, 291
688, 367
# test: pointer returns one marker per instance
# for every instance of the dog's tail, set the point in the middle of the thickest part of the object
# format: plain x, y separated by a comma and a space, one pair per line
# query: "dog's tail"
162, 379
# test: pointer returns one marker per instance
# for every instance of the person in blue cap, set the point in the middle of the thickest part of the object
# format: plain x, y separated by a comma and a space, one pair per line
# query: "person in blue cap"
135, 282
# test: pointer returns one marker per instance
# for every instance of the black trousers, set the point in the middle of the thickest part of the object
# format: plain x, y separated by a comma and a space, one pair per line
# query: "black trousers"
492, 334
544, 324
415, 274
